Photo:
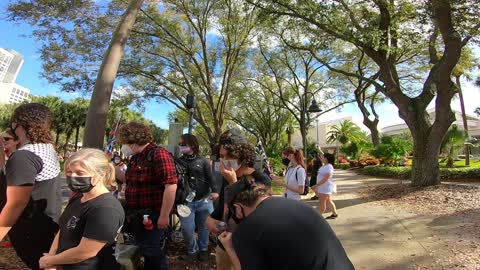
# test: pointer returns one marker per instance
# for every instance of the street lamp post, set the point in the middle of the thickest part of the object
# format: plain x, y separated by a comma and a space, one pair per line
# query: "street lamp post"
191, 104
314, 108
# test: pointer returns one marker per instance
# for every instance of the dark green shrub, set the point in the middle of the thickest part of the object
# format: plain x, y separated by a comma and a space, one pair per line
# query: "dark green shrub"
405, 172
342, 166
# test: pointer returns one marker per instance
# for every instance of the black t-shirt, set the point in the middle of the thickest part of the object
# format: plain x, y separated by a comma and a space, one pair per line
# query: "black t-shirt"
287, 234
22, 168
99, 219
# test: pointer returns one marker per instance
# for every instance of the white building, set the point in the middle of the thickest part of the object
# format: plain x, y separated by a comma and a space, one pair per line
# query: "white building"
10, 64
13, 93
473, 124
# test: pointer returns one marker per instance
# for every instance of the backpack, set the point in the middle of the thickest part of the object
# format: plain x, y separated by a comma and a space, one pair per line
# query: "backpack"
307, 183
182, 170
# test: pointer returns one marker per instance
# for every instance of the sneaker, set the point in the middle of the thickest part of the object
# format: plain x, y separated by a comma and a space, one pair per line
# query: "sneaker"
314, 197
203, 256
332, 216
189, 257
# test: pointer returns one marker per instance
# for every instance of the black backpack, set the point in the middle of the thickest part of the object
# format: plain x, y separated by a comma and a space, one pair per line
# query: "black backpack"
182, 170
307, 183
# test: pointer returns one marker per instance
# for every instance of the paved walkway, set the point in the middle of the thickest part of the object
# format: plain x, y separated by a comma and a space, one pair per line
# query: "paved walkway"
378, 238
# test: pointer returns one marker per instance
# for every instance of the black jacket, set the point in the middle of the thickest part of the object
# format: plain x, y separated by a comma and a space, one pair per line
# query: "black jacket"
200, 174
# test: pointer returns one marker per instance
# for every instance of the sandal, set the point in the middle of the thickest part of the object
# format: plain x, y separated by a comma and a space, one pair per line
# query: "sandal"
332, 216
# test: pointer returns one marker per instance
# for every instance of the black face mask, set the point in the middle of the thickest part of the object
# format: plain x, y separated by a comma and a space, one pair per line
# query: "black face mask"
234, 215
285, 161
80, 184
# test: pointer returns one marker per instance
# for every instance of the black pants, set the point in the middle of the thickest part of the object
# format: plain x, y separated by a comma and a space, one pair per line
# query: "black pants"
32, 236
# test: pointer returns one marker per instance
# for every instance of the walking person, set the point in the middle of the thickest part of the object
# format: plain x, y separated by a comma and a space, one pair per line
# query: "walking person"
92, 219
237, 161
151, 183
30, 215
295, 175
316, 165
264, 238
325, 186
202, 183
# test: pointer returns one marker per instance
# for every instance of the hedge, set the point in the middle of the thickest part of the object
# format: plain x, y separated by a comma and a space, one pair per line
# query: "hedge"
405, 172
342, 166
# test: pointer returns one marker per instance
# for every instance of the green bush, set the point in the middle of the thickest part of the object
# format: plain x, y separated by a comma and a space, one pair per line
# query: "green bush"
405, 172
383, 171
342, 166
276, 163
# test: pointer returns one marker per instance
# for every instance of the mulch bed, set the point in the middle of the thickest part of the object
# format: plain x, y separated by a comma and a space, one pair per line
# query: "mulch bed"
10, 261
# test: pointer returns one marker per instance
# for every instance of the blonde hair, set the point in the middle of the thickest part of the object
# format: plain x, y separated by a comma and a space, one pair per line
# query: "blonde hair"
96, 162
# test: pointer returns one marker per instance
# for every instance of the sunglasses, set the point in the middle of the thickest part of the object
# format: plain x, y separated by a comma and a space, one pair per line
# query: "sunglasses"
182, 144
7, 138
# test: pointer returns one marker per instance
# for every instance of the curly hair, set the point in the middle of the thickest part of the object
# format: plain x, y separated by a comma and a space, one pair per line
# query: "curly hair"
135, 133
250, 192
36, 119
244, 152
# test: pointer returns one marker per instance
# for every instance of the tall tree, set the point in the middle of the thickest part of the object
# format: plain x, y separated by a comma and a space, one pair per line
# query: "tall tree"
102, 91
69, 45
391, 33
194, 48
260, 112
298, 78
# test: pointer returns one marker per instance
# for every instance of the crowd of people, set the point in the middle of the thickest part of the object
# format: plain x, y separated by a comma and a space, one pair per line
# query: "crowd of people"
232, 202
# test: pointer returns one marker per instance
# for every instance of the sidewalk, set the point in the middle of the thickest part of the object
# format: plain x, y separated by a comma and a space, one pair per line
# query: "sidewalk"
378, 238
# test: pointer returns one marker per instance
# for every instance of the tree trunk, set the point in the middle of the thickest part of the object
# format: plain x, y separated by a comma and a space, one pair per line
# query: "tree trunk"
77, 134
67, 139
57, 137
373, 127
102, 92
464, 119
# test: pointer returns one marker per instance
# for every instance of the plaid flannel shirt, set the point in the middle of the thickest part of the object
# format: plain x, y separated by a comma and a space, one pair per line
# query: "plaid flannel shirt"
147, 174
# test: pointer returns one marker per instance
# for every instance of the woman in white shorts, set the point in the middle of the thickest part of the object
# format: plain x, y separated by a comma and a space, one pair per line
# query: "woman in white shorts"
325, 186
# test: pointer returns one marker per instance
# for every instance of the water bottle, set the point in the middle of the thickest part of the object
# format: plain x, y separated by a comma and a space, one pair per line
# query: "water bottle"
191, 196
147, 223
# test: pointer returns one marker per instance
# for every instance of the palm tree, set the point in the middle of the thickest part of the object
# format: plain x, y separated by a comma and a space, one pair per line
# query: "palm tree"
466, 63
346, 132
452, 143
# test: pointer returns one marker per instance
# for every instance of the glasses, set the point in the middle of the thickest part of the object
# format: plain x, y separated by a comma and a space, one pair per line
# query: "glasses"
7, 138
182, 144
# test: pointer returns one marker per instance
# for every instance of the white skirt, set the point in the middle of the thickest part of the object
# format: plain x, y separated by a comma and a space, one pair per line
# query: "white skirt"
328, 188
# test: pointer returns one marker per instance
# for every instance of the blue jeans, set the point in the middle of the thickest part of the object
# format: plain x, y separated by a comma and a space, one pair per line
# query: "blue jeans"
200, 211
151, 246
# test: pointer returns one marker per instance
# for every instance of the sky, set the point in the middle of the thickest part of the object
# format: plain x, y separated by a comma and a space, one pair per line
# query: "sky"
13, 36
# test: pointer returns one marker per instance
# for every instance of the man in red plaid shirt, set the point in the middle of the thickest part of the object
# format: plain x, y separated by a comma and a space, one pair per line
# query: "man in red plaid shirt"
151, 185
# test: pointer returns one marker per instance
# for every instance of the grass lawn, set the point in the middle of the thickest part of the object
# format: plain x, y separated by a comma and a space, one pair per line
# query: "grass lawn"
461, 164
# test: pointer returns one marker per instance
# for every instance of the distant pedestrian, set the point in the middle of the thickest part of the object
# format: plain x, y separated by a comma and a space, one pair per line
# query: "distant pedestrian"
325, 186
200, 180
278, 233
92, 219
295, 175
34, 199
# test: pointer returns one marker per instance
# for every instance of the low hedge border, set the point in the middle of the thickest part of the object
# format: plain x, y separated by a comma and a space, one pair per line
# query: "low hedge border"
342, 166
405, 172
